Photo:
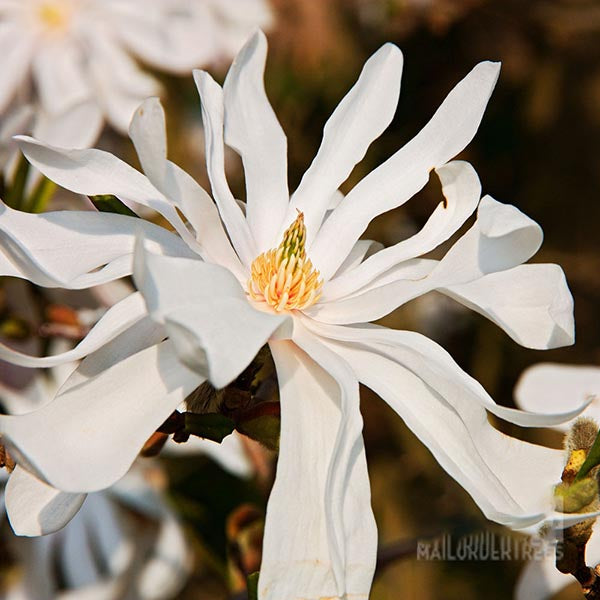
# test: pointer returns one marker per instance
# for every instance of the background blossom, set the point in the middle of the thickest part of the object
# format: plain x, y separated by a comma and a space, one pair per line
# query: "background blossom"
76, 59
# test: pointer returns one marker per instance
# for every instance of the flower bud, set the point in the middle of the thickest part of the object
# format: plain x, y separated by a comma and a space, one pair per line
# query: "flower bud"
575, 497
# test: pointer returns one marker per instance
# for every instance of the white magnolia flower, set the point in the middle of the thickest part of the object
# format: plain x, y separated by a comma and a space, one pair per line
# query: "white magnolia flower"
81, 53
291, 272
548, 387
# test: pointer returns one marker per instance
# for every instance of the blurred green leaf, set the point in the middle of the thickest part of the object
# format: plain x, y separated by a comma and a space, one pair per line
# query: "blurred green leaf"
264, 429
212, 426
15, 328
111, 204
253, 586
15, 191
592, 460
39, 198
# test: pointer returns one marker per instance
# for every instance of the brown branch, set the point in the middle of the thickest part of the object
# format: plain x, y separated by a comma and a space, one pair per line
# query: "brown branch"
571, 560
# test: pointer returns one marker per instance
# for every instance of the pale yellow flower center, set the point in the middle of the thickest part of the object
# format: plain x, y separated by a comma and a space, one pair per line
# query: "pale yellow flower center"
283, 277
54, 15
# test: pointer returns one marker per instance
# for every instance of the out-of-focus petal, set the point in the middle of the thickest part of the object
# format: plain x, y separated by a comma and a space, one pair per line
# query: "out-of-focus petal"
113, 548
16, 49
168, 567
59, 73
549, 387
394, 182
230, 453
77, 127
119, 84
252, 129
171, 35
35, 508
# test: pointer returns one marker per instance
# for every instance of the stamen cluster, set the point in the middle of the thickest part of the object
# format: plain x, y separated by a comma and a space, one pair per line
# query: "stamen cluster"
54, 15
283, 277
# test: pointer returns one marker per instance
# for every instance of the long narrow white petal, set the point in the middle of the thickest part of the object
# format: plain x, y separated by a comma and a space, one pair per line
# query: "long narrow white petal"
510, 480
461, 189
252, 129
141, 335
214, 329
211, 96
35, 508
348, 484
95, 172
549, 387
75, 249
87, 438
115, 321
148, 133
361, 117
433, 364
501, 238
532, 303
394, 182
320, 537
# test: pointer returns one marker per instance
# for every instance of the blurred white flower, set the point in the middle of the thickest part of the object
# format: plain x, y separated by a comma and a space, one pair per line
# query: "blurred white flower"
15, 122
102, 552
80, 54
293, 273
550, 387
124, 541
